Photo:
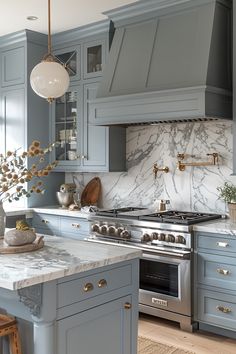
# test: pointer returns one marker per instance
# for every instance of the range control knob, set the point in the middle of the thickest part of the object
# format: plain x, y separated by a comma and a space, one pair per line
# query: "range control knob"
169, 238
180, 239
154, 236
95, 228
125, 234
146, 238
119, 230
103, 229
161, 237
111, 230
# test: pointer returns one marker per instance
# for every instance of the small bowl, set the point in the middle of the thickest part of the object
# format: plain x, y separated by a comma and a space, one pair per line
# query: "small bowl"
65, 198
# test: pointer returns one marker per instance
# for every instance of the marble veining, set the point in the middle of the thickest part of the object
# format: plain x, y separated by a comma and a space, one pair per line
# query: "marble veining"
194, 189
224, 226
60, 257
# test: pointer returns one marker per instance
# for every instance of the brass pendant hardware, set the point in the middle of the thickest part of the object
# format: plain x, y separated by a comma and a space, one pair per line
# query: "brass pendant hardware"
223, 271
127, 306
159, 169
102, 283
88, 287
181, 165
223, 309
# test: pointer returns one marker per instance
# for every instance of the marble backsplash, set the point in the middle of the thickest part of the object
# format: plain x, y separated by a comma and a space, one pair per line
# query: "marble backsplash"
193, 189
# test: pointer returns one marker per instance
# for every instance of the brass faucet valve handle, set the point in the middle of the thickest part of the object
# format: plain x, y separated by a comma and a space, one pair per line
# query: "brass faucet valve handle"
159, 169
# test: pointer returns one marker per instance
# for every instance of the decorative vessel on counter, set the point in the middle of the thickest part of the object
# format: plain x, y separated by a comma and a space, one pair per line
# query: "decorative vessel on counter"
228, 194
21, 235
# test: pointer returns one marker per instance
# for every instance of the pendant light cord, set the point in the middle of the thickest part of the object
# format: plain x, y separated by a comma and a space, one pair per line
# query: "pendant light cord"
49, 28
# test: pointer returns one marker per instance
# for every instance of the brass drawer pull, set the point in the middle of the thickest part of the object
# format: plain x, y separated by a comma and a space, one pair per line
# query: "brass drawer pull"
222, 244
223, 271
127, 306
77, 226
88, 287
102, 283
45, 221
223, 309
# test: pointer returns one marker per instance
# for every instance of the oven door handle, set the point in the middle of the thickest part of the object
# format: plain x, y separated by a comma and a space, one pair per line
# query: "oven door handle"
154, 255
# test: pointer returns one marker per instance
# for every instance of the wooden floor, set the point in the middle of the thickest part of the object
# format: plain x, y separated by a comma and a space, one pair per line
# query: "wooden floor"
199, 342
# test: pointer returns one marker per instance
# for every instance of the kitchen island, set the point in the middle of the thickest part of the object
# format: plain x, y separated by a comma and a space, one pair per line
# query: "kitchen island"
73, 297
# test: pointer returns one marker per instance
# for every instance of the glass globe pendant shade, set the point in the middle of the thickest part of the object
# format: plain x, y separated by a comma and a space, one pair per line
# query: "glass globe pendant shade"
49, 79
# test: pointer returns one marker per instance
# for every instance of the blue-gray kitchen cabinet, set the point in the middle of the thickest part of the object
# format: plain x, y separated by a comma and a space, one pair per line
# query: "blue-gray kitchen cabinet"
65, 226
24, 115
98, 149
215, 282
111, 321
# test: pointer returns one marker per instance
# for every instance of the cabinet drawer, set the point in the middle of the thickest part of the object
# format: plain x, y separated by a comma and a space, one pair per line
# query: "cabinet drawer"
217, 308
217, 271
217, 243
94, 285
48, 223
74, 227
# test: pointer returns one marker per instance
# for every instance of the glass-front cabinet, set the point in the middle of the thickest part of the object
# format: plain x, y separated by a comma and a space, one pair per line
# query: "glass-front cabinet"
66, 128
70, 57
94, 58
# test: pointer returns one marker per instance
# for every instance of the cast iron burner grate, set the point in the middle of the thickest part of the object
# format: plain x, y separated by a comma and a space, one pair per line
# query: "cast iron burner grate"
115, 212
180, 217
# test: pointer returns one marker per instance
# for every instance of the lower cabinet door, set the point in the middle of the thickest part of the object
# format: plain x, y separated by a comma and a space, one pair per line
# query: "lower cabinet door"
104, 329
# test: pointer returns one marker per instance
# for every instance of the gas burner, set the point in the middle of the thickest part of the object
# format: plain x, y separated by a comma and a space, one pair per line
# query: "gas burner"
180, 217
115, 212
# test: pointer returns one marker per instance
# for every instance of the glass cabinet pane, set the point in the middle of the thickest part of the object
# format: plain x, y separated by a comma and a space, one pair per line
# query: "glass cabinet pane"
94, 58
69, 59
66, 126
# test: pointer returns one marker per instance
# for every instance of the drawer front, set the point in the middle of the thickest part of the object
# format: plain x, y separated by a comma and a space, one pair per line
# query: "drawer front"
74, 227
217, 271
48, 223
217, 308
94, 285
217, 242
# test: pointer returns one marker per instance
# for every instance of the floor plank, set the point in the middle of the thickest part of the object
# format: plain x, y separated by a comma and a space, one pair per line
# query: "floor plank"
200, 342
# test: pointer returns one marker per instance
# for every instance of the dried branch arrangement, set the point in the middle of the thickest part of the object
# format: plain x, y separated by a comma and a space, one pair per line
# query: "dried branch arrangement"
14, 172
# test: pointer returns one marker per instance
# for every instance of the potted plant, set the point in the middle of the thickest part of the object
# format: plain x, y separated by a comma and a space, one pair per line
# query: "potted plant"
228, 194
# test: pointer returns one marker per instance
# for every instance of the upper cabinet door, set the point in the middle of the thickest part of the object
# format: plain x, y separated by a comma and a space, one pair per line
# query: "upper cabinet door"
13, 66
71, 58
94, 58
66, 129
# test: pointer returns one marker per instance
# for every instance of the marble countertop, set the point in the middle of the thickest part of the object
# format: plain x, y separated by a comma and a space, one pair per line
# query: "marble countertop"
53, 210
222, 226
60, 257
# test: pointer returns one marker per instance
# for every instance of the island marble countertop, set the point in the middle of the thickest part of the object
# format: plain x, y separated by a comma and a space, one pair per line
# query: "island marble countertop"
60, 257
221, 226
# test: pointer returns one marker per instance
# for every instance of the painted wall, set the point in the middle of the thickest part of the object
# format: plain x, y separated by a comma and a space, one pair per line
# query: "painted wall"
193, 189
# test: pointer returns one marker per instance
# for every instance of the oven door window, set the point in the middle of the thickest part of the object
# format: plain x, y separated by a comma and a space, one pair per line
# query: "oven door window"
159, 277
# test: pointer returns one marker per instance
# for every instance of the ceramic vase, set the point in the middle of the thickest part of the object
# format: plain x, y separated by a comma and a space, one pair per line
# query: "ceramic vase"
2, 220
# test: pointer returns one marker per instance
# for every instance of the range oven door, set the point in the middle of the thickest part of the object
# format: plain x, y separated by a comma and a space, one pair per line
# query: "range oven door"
165, 283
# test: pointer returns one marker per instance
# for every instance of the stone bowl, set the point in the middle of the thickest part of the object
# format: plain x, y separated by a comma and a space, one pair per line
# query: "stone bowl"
18, 237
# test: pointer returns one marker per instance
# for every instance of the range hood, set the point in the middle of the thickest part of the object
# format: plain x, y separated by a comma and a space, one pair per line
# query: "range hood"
170, 60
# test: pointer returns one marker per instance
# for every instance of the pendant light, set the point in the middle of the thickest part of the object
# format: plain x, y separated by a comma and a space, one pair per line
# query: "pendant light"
49, 79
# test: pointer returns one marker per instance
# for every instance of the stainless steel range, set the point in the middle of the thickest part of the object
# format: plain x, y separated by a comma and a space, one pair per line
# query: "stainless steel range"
165, 267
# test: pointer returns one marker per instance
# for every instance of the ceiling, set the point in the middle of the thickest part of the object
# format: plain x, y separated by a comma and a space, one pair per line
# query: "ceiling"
65, 14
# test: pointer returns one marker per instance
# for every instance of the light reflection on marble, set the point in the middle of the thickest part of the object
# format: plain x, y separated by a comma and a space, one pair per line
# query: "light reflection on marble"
59, 258
193, 189
225, 226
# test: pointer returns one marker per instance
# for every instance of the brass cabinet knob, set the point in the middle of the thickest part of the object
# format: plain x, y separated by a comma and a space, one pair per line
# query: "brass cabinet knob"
88, 287
102, 283
127, 306
223, 271
223, 309
45, 221
75, 225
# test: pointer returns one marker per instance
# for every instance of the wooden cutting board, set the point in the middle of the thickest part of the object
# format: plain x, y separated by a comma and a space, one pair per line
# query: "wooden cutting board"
91, 192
